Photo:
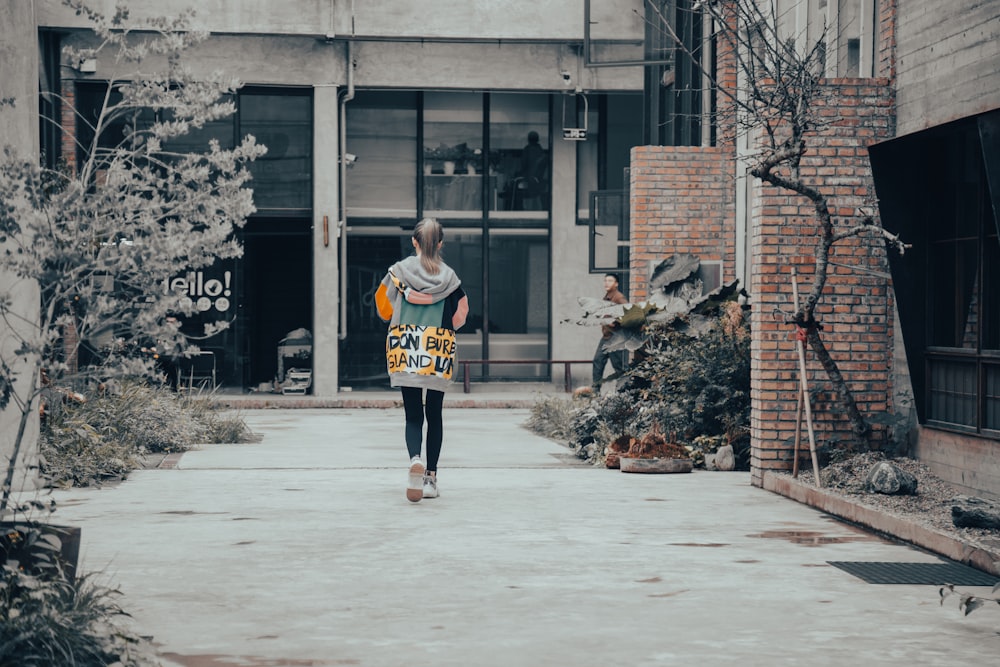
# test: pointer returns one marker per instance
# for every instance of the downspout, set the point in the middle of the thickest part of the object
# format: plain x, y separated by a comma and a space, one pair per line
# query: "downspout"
346, 96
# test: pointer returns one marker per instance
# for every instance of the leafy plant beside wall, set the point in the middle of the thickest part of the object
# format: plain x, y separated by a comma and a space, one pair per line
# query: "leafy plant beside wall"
689, 381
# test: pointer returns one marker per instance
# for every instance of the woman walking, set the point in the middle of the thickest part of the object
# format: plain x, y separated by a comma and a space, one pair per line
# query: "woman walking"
423, 301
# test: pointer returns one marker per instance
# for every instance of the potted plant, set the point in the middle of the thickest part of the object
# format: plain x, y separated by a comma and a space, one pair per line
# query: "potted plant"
654, 454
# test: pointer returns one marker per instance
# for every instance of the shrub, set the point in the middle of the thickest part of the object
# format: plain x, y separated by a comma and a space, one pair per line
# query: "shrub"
552, 417
694, 389
106, 433
52, 621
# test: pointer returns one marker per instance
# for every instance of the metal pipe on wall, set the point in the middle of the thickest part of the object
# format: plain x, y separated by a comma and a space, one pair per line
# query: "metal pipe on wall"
341, 195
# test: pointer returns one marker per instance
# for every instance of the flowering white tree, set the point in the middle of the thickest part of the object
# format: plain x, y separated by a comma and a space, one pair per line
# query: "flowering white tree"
101, 240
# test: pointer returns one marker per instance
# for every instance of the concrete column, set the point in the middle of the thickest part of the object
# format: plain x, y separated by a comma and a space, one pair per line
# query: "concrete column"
326, 264
571, 278
19, 130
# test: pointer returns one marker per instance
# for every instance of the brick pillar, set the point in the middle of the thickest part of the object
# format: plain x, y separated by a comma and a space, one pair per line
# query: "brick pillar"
682, 201
855, 308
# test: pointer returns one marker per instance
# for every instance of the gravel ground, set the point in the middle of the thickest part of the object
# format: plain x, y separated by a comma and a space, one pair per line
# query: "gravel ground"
930, 507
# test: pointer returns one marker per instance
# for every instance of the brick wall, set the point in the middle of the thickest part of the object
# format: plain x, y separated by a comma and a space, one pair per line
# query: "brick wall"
855, 308
682, 201
68, 120
885, 49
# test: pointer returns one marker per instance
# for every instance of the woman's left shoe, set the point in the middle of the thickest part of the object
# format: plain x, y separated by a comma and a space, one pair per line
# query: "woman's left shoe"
430, 486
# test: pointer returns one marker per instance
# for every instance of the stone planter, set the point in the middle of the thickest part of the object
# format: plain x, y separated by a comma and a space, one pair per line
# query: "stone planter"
656, 465
38, 547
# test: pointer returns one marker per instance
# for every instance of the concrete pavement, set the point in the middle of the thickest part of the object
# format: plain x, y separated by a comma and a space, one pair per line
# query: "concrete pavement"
302, 550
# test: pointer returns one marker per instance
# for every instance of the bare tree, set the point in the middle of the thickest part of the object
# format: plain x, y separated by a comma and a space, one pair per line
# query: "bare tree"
773, 99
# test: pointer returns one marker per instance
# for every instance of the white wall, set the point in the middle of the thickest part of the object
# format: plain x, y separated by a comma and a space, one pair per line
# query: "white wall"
19, 131
947, 61
480, 19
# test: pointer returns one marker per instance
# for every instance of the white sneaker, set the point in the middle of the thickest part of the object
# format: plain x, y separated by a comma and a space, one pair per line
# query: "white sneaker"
430, 486
415, 482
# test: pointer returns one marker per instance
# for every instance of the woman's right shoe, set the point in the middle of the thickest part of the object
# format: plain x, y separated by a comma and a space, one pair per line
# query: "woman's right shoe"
415, 482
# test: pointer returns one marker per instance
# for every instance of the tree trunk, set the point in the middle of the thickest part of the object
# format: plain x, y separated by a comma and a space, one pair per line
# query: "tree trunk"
859, 426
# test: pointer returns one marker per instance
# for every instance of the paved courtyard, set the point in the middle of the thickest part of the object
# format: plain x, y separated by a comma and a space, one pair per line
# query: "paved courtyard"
302, 550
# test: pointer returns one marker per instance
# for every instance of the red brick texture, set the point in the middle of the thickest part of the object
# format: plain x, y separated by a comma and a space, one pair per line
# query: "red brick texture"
855, 309
682, 201
69, 124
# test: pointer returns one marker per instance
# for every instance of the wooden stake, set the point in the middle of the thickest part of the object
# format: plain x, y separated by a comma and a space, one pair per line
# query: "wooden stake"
798, 431
804, 385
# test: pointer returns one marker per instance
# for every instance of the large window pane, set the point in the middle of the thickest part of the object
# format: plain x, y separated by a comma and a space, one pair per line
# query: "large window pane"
991, 292
463, 251
953, 392
519, 302
519, 160
382, 133
282, 178
453, 152
992, 397
362, 353
588, 157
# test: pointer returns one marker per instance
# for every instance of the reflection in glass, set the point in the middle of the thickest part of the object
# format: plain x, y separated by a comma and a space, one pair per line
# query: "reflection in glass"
382, 133
519, 303
282, 178
519, 152
453, 151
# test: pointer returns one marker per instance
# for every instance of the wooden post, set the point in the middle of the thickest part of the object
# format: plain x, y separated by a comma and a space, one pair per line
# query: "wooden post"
804, 384
798, 431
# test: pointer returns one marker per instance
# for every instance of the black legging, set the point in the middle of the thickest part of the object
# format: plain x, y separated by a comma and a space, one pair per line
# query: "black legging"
413, 404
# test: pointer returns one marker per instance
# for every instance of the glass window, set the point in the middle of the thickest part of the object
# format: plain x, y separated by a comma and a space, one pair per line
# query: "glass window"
453, 153
382, 133
992, 397
282, 121
614, 128
197, 139
588, 158
991, 293
953, 392
519, 301
463, 251
519, 160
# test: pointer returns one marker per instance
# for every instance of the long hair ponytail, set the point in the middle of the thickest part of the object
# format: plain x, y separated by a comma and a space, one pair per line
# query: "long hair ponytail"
428, 235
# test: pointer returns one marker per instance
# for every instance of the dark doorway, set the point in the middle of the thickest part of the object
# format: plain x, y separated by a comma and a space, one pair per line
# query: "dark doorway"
278, 297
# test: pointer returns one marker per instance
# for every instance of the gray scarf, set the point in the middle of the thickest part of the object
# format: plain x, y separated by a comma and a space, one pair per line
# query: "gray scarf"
437, 285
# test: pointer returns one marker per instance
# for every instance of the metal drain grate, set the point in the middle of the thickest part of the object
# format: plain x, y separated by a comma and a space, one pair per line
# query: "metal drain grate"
935, 574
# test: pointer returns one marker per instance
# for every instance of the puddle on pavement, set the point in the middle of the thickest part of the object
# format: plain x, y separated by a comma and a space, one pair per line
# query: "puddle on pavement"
698, 544
747, 560
216, 660
655, 500
813, 538
651, 580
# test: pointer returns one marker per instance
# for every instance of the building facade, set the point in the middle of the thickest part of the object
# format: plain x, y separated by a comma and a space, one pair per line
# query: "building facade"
376, 114
379, 113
